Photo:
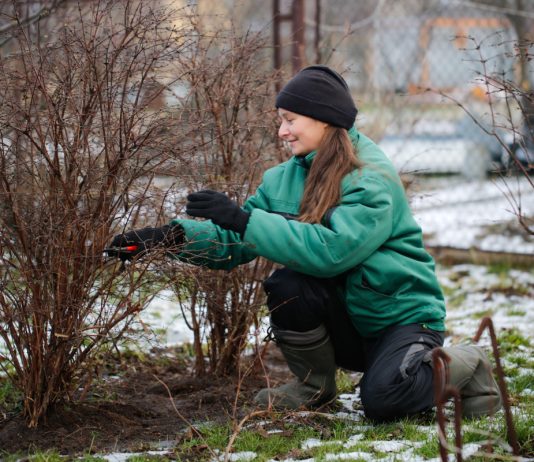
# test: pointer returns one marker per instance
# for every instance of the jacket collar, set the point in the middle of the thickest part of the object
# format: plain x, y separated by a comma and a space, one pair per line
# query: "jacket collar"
306, 161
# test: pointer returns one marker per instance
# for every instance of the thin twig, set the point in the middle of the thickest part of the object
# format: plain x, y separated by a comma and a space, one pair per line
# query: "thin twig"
191, 427
238, 429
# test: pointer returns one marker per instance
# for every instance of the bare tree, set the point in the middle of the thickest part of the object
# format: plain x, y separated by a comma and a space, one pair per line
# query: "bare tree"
511, 124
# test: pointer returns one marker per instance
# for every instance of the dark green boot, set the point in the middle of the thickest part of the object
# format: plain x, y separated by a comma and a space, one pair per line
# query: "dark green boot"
471, 372
310, 356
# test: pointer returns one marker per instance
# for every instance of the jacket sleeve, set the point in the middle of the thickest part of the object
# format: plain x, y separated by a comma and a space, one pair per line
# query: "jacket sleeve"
358, 226
214, 247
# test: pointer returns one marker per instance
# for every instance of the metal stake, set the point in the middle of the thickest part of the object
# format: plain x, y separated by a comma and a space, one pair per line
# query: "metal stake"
487, 323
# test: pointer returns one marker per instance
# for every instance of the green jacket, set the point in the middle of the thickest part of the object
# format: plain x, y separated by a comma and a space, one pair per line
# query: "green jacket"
371, 237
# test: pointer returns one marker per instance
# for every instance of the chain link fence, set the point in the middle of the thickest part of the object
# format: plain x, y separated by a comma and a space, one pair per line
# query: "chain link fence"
426, 78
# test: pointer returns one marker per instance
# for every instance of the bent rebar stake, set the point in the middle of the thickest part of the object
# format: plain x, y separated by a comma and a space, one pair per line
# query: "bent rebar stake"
442, 392
487, 323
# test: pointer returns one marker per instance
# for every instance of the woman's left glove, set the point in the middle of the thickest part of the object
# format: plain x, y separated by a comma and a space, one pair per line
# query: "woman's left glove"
219, 208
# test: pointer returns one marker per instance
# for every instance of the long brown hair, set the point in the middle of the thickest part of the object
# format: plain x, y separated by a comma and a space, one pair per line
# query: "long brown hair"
336, 156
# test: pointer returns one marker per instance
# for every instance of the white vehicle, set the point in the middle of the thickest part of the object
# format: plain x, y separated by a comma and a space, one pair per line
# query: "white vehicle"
438, 154
460, 148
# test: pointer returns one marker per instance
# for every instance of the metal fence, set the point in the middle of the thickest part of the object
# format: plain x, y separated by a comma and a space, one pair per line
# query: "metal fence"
437, 85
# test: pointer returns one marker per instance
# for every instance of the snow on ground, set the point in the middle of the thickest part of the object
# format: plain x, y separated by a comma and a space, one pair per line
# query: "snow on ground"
475, 214
472, 292
124, 456
508, 299
482, 292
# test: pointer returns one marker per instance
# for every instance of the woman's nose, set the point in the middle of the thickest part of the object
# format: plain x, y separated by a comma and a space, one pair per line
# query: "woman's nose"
283, 131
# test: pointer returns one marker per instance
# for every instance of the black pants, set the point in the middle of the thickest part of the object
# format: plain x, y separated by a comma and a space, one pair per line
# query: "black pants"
397, 379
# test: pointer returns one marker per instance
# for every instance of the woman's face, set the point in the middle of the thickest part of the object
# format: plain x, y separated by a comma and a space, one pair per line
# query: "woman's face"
303, 134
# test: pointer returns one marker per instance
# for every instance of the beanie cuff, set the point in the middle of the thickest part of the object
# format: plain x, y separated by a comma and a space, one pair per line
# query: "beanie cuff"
316, 109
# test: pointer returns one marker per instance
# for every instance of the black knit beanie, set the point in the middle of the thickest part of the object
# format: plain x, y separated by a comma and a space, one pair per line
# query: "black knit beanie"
321, 93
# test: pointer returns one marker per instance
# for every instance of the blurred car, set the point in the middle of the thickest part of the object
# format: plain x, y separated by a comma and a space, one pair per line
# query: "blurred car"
520, 149
463, 148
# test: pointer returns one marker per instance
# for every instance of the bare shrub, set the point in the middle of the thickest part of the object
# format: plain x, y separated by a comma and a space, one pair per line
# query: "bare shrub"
230, 102
79, 144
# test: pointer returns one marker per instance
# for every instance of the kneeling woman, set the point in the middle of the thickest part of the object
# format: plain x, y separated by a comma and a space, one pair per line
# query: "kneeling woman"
356, 289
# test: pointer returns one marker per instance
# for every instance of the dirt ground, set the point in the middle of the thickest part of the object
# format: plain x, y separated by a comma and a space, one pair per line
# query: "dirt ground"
132, 410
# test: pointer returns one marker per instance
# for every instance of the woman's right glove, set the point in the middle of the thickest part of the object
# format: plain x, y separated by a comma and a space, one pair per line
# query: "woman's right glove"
219, 208
137, 242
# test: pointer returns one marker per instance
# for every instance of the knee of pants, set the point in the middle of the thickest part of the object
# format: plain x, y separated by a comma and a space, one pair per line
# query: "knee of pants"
383, 401
281, 286
295, 301
375, 403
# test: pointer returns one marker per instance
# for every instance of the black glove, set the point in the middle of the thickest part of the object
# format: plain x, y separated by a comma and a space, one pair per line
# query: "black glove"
133, 243
219, 208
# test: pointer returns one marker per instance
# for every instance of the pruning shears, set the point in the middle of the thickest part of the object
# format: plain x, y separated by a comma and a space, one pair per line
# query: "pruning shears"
125, 249
123, 252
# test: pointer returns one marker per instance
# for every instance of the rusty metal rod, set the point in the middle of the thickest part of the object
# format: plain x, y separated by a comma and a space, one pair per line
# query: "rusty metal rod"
443, 390
440, 383
439, 361
487, 323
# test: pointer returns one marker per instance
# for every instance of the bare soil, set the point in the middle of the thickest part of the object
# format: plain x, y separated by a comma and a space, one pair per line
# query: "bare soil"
130, 409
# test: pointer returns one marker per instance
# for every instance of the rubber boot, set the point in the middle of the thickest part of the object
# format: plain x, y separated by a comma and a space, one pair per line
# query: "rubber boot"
310, 357
471, 372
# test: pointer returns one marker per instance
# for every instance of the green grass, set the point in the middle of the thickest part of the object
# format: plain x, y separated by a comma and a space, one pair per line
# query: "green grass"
516, 312
520, 383
281, 436
456, 299
54, 456
500, 269
522, 361
510, 339
429, 449
5, 457
270, 446
482, 314
524, 423
10, 397
48, 456
345, 383
286, 441
264, 443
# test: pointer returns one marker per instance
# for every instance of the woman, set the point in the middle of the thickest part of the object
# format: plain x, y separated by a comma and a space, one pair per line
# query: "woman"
357, 288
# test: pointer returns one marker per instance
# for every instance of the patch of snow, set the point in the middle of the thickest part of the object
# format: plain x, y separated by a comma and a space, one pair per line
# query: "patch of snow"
357, 455
311, 443
124, 456
470, 449
163, 312
241, 456
347, 400
353, 440
473, 214
475, 282
356, 416
390, 446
